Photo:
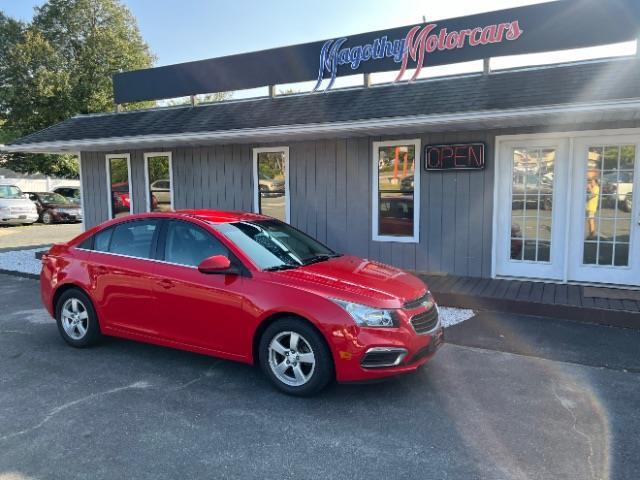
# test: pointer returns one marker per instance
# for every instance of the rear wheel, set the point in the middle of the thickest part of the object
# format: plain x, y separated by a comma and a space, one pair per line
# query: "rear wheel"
77, 319
295, 357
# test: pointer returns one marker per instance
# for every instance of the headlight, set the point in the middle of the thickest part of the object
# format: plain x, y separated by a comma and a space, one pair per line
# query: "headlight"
368, 316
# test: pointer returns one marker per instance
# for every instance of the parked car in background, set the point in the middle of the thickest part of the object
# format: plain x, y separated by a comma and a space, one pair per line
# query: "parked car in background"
54, 208
617, 186
161, 190
70, 193
244, 287
396, 215
15, 208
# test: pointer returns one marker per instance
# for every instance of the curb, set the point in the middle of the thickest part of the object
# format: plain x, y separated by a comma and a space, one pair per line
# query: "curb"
15, 273
598, 316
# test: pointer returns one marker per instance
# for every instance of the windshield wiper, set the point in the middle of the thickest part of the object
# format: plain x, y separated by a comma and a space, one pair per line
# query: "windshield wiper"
320, 258
277, 268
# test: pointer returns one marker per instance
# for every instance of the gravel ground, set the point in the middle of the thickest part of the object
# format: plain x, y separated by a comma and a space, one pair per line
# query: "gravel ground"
23, 261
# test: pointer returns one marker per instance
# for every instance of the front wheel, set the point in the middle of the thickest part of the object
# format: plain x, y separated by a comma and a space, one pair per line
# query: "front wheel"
295, 357
47, 218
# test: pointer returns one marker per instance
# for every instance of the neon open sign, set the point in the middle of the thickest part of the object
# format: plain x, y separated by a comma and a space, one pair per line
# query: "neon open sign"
467, 156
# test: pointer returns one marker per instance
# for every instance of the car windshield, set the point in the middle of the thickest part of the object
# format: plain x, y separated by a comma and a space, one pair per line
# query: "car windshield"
274, 245
52, 198
9, 191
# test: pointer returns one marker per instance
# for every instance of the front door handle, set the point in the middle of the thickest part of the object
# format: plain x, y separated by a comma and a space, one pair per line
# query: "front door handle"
166, 284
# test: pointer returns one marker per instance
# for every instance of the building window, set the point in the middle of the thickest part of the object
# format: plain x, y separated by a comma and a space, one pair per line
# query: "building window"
271, 182
396, 191
158, 180
120, 201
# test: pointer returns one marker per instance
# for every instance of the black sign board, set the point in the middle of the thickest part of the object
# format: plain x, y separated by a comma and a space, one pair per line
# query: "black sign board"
463, 156
535, 28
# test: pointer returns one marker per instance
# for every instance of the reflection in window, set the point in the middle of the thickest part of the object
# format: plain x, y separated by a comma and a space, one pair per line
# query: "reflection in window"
188, 244
532, 204
396, 177
159, 187
272, 184
608, 202
133, 239
119, 195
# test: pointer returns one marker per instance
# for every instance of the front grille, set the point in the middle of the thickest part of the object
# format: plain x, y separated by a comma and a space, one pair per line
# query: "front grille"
426, 321
417, 302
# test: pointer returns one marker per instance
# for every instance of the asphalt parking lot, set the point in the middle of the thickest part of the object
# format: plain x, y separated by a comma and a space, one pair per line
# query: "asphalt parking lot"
25, 236
515, 407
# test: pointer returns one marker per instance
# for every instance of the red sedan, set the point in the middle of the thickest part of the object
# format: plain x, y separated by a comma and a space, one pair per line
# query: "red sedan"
244, 287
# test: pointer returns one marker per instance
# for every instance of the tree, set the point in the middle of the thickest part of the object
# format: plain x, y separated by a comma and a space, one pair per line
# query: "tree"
62, 65
203, 98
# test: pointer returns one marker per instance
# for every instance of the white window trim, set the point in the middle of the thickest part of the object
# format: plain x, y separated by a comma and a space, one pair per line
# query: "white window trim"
256, 190
108, 158
147, 187
416, 192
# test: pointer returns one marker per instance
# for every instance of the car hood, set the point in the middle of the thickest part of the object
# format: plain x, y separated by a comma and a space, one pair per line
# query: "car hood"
356, 280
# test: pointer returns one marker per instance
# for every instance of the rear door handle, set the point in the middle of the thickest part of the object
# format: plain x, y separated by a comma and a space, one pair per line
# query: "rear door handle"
166, 284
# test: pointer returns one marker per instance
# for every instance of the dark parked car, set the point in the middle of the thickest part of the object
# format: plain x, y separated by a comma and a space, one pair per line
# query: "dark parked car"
53, 207
70, 193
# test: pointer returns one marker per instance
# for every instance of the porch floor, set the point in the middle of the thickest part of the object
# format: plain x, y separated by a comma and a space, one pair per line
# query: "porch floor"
602, 305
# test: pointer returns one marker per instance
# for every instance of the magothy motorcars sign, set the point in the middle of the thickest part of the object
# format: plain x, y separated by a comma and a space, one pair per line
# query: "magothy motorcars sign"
418, 43
558, 25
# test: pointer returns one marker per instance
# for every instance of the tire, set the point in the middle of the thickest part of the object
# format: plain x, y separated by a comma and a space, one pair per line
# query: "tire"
298, 377
47, 217
86, 329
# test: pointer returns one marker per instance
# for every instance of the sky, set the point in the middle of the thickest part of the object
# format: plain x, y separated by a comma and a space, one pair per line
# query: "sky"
185, 30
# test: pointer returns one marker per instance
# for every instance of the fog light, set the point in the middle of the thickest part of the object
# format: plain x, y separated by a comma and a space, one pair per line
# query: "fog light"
381, 357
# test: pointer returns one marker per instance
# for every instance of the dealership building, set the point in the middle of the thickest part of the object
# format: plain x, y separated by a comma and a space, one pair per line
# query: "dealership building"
522, 173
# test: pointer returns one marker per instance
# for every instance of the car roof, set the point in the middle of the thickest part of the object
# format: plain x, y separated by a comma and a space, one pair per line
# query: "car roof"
207, 215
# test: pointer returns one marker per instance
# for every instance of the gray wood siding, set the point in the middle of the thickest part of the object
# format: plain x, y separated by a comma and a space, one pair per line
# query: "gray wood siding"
330, 194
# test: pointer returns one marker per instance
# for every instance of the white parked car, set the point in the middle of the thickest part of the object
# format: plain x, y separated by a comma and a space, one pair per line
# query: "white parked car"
15, 208
161, 189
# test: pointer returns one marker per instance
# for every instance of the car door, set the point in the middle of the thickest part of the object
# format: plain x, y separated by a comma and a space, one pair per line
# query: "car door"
203, 310
120, 269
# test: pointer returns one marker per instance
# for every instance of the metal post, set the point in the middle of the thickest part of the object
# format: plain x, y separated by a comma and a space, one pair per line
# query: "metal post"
486, 66
367, 80
118, 108
272, 91
194, 100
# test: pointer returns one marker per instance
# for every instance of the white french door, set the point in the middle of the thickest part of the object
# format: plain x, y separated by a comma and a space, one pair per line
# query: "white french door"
604, 226
565, 208
531, 180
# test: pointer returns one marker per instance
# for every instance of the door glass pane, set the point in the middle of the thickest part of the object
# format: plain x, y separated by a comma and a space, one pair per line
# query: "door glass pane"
396, 176
120, 195
187, 244
159, 183
608, 199
532, 204
272, 185
133, 239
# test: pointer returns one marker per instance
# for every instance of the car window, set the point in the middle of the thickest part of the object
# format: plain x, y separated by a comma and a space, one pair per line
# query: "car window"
188, 244
102, 239
133, 239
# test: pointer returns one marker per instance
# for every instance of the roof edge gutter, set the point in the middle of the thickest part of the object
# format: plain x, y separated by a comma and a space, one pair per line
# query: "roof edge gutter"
306, 130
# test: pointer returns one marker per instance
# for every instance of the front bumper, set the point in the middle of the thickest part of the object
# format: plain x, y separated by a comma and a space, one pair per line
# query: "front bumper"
18, 218
373, 353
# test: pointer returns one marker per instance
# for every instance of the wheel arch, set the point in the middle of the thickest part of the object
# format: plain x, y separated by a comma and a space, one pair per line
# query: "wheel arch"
266, 322
65, 287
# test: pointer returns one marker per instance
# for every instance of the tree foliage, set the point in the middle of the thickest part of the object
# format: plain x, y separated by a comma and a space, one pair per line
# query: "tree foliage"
61, 65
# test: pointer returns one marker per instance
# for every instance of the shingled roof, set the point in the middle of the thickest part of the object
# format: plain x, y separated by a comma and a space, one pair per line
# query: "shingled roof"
569, 84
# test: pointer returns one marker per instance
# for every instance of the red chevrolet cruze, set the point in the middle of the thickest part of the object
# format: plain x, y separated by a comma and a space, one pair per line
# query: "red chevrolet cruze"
244, 287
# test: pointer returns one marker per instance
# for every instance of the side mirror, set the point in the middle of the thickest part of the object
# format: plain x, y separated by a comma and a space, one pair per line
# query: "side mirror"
216, 264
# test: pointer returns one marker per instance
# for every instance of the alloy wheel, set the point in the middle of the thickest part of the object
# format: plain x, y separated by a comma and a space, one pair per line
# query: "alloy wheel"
75, 318
291, 358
